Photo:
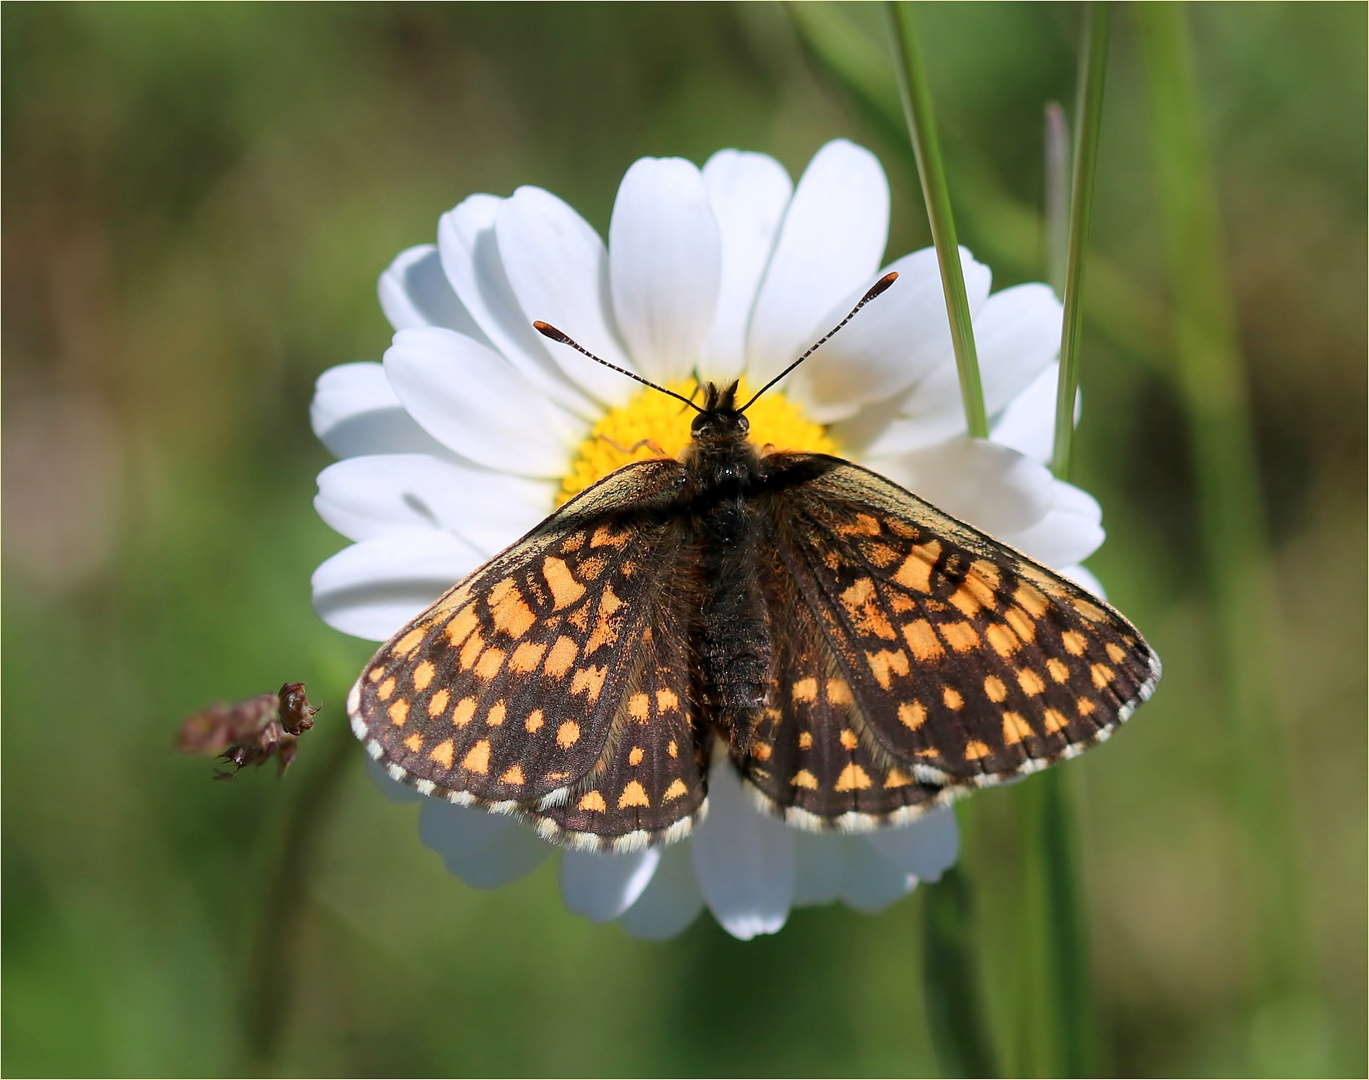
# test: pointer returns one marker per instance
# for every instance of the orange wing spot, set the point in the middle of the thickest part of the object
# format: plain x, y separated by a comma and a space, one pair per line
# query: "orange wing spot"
437, 704
675, 791
862, 605
606, 537
633, 795
1003, 640
609, 602
1032, 599
590, 569
646, 635
1058, 670
838, 693
901, 603
1090, 611
1085, 706
399, 712
534, 722
464, 712
960, 636
994, 688
478, 760
1015, 729
375, 674
1102, 675
574, 542
880, 555
579, 618
805, 690
635, 755
443, 753
1031, 683
976, 750
414, 742
1074, 642
409, 642
385, 689
853, 778
490, 664
589, 681
864, 525
513, 776
761, 751
922, 639
423, 675
886, 664
469, 651
897, 778
509, 610
527, 656
605, 633
592, 800
805, 740
848, 739
568, 734
901, 528
975, 591
804, 779
666, 701
1054, 721
556, 776
639, 706
913, 714
1021, 623
951, 696
1115, 652
988, 576
916, 571
672, 749
561, 657
496, 715
565, 590
461, 625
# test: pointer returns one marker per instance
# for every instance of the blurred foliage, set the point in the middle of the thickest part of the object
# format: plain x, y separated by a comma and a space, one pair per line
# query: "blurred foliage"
196, 203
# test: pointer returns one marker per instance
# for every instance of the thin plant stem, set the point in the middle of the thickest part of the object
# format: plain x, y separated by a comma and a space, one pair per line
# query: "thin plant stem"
267, 983
917, 109
1057, 160
1211, 380
950, 977
1093, 65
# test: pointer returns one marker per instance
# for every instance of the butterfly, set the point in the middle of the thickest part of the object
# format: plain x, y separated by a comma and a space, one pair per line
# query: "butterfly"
859, 655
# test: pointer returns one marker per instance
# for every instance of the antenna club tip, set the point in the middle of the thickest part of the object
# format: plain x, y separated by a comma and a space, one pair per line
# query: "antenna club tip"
547, 330
880, 285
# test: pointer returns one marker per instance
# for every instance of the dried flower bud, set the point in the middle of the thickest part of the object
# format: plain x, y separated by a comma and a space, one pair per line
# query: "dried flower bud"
250, 732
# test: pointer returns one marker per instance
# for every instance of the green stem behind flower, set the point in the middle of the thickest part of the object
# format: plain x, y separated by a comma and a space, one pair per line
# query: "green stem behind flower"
1210, 377
951, 980
917, 109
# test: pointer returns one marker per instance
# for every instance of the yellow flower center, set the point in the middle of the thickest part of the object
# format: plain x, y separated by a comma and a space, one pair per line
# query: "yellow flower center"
651, 425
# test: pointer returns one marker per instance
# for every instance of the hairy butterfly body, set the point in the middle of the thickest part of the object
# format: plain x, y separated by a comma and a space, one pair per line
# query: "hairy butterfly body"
858, 654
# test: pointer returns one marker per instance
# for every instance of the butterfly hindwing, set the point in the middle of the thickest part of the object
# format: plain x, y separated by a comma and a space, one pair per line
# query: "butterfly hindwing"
512, 690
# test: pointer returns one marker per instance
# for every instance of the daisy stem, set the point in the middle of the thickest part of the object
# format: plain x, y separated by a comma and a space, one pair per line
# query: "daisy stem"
951, 979
1057, 159
917, 110
1212, 385
1088, 121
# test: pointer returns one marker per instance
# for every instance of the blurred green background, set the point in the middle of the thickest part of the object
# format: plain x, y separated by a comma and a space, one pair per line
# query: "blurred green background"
196, 203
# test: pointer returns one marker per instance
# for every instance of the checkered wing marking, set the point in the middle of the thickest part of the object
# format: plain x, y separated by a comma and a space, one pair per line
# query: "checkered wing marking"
970, 663
517, 689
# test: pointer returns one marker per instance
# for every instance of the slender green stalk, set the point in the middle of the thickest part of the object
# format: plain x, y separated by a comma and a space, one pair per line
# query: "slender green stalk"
1210, 377
1093, 64
1057, 159
950, 977
917, 109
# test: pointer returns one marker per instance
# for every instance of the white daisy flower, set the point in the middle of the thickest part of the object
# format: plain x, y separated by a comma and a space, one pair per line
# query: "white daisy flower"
475, 428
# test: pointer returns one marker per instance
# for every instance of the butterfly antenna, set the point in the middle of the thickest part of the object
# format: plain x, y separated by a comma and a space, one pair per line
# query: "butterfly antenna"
875, 289
547, 330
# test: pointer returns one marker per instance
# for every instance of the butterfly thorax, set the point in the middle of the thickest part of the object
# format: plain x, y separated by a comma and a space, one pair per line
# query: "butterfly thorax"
731, 635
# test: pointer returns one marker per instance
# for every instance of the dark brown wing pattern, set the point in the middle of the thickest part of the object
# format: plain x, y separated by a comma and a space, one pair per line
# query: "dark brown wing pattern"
553, 682
964, 662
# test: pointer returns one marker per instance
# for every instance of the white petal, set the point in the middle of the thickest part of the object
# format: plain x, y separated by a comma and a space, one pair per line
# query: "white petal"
892, 344
367, 497
1069, 533
671, 901
355, 411
470, 257
558, 269
665, 266
989, 486
484, 850
744, 861
370, 590
925, 848
819, 867
832, 239
1082, 575
749, 194
391, 788
476, 403
602, 887
415, 292
1028, 423
1017, 335
871, 882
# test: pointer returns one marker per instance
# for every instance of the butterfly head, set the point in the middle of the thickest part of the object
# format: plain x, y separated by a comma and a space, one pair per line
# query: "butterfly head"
719, 420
